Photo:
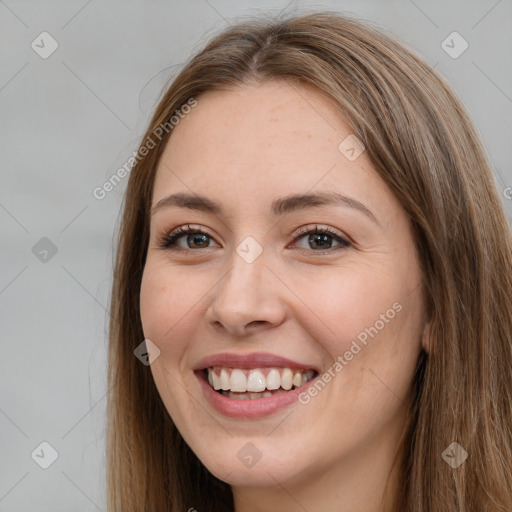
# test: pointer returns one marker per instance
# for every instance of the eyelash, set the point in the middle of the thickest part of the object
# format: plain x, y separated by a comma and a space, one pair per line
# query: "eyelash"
167, 240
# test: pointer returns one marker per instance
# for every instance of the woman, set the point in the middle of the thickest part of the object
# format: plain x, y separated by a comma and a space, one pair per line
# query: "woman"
315, 253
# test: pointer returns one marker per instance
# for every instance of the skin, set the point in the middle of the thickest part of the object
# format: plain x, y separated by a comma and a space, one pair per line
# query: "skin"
244, 147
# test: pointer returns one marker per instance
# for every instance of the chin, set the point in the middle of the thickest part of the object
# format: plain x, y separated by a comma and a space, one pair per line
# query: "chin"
262, 474
251, 462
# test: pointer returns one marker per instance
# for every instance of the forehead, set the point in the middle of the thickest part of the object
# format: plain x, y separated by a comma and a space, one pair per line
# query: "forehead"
271, 119
274, 138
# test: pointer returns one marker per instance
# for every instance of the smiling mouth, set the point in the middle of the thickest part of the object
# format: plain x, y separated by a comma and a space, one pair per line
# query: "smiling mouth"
244, 384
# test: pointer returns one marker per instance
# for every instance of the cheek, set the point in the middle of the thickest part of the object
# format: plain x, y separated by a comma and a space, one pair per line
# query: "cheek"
165, 306
371, 317
344, 303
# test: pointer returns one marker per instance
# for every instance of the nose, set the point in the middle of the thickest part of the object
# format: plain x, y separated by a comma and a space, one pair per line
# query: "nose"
247, 300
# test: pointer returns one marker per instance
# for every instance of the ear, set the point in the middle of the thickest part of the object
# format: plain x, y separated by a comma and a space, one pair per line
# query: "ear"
426, 342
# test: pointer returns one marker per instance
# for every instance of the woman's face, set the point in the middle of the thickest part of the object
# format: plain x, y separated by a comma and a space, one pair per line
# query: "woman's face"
261, 303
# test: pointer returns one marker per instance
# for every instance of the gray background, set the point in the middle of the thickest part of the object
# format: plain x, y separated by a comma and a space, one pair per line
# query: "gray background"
68, 123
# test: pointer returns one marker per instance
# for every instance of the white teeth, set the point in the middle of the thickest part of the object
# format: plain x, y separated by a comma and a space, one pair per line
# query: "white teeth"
273, 379
216, 381
256, 381
224, 380
238, 381
286, 379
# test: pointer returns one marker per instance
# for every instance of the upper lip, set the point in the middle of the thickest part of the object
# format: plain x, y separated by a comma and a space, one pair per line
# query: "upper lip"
249, 361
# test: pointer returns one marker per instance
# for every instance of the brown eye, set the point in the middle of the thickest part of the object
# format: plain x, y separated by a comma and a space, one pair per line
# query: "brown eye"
195, 238
200, 239
321, 239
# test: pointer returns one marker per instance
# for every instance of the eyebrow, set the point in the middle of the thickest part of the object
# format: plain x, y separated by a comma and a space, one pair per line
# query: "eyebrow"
280, 206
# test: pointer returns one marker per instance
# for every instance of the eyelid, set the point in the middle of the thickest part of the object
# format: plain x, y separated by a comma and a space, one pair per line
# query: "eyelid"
309, 228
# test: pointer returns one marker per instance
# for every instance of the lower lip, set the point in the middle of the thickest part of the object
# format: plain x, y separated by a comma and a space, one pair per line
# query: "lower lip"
254, 408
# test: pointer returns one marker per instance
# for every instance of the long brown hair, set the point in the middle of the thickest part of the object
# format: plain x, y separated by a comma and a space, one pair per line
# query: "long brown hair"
423, 144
